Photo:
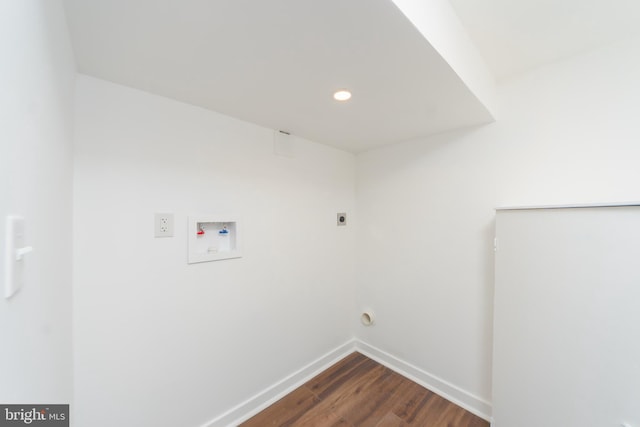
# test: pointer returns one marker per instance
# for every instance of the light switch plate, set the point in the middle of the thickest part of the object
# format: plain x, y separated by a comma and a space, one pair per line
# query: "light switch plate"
14, 252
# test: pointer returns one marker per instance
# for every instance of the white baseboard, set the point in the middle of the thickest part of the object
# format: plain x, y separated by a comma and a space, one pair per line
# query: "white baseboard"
455, 394
270, 395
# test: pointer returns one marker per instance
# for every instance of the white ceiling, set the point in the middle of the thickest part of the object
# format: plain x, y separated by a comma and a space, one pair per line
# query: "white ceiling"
514, 36
276, 63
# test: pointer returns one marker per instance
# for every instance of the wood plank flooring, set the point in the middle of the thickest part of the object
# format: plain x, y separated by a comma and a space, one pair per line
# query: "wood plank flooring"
359, 392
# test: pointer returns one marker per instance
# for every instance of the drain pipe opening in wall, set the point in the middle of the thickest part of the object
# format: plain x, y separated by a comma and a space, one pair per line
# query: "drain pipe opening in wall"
367, 318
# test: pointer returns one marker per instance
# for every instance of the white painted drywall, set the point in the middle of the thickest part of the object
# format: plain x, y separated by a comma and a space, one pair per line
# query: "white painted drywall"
566, 133
166, 343
438, 22
566, 323
37, 74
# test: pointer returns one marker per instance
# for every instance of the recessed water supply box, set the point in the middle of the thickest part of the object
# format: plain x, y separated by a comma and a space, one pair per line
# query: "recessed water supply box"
213, 238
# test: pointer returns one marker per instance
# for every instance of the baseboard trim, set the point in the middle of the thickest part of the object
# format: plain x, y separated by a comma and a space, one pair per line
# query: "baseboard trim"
451, 392
270, 395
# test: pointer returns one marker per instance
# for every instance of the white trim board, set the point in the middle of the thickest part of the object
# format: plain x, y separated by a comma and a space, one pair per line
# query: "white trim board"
451, 392
270, 395
569, 206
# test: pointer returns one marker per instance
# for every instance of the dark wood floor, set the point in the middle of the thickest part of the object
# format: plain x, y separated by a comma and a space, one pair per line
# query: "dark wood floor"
360, 392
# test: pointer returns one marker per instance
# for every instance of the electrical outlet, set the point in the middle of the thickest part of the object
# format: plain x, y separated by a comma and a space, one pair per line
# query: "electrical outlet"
163, 225
342, 218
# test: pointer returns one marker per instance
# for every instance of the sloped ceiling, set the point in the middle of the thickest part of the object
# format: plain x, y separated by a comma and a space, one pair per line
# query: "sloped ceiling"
277, 63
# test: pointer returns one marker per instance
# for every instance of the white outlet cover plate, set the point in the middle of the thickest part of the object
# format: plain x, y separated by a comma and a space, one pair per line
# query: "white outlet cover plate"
163, 225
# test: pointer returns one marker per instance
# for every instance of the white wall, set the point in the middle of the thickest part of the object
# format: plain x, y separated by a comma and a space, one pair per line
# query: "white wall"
567, 132
37, 74
166, 343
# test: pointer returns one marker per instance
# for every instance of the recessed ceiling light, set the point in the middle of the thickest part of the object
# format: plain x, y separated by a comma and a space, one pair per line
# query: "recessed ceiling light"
342, 95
